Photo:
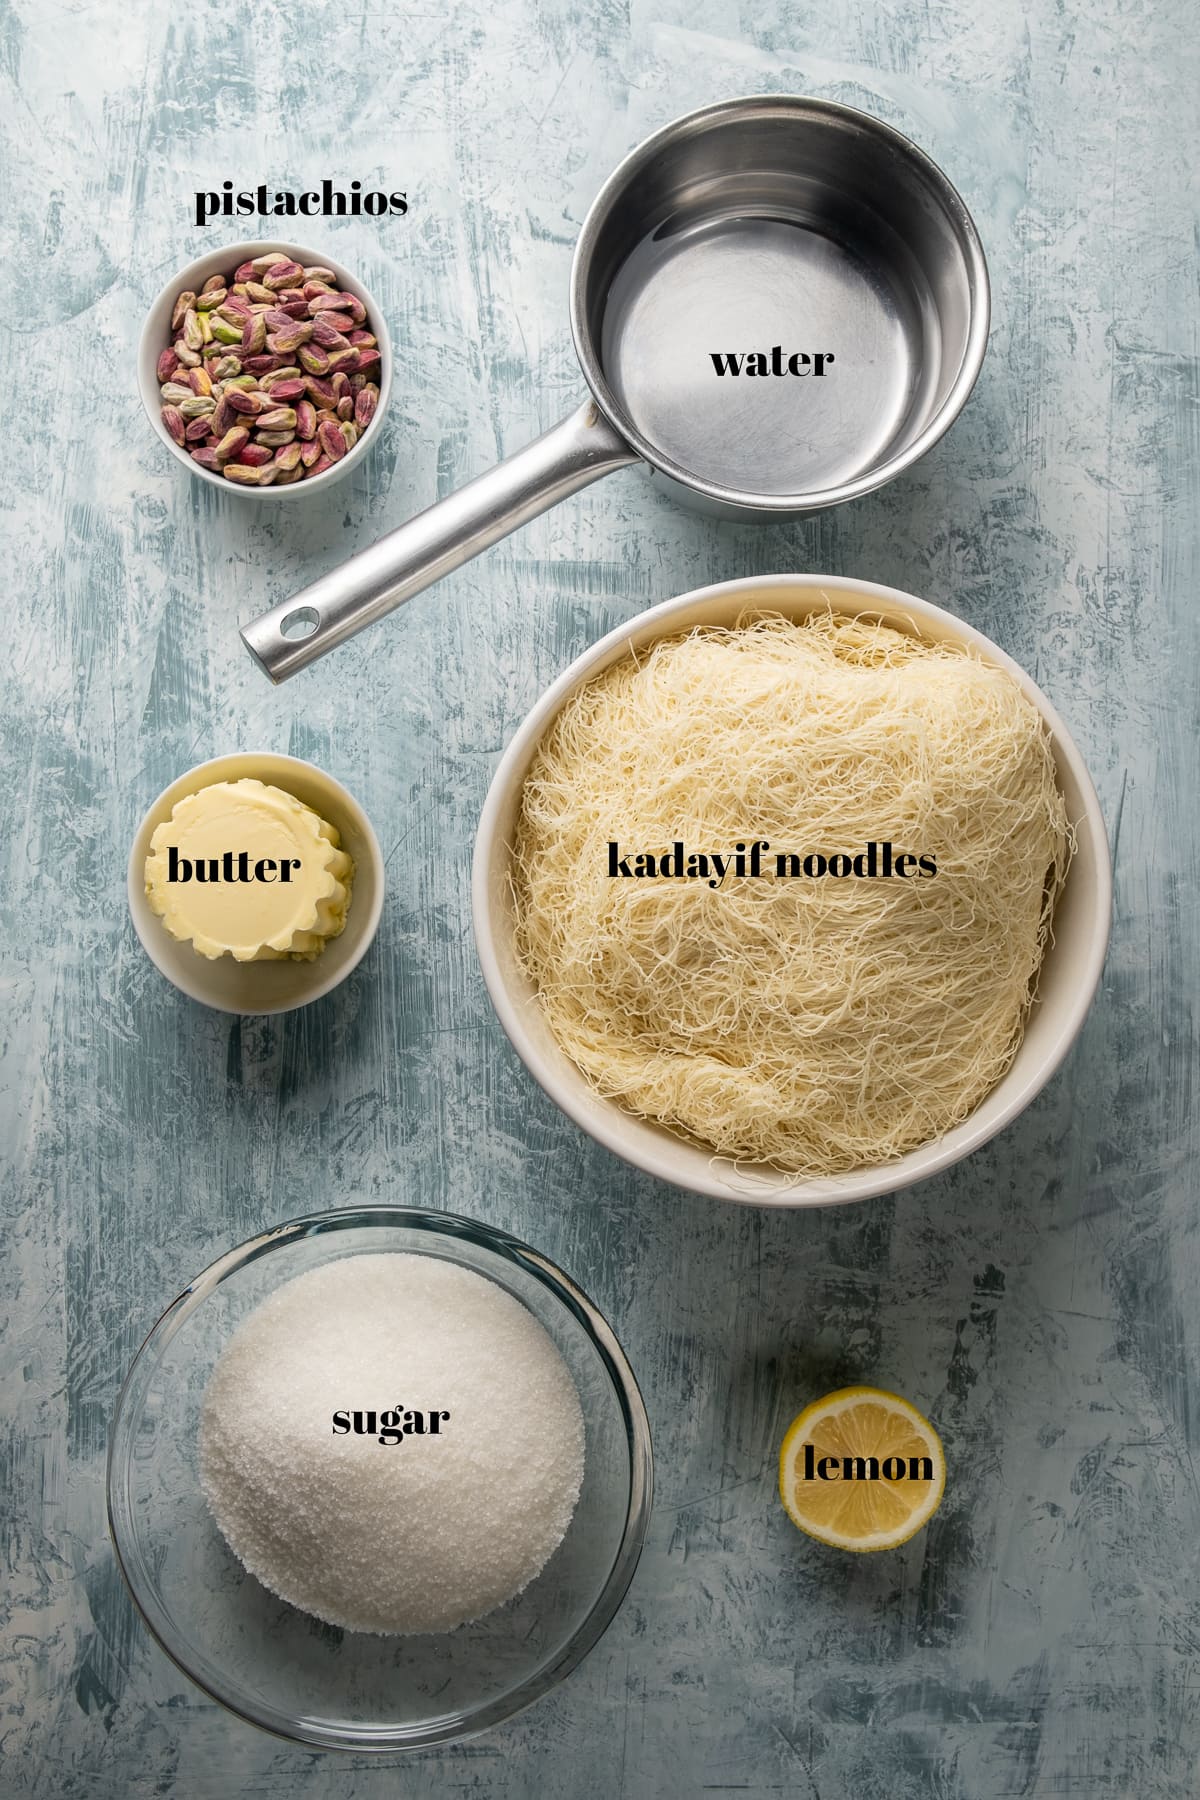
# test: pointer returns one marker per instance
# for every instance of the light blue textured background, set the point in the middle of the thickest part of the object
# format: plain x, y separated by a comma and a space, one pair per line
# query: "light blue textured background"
1043, 1636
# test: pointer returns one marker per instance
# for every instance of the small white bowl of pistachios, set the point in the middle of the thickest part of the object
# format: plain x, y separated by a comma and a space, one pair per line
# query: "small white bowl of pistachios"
265, 368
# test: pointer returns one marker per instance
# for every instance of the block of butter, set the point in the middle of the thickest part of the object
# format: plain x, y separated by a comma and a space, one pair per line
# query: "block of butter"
246, 870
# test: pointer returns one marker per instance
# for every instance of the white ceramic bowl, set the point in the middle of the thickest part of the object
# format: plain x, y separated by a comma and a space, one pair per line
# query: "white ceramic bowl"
264, 987
156, 337
1069, 974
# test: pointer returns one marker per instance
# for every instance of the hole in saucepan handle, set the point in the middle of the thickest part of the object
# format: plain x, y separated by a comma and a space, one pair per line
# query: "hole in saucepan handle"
301, 623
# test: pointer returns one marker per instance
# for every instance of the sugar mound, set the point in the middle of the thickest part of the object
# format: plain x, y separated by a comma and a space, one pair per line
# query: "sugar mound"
810, 1025
418, 1536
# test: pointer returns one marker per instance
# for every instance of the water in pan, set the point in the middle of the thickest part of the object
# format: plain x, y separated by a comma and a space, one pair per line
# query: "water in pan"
744, 285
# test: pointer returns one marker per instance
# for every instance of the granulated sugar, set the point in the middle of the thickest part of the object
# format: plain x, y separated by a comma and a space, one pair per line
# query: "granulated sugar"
411, 1536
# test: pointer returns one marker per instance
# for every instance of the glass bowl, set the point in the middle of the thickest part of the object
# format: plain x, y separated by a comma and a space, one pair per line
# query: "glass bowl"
287, 1672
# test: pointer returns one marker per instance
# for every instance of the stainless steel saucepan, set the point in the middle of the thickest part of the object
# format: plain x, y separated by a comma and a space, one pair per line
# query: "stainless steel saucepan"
778, 304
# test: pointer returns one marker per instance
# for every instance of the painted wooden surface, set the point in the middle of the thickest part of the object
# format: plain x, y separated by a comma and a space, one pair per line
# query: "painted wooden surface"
1043, 1636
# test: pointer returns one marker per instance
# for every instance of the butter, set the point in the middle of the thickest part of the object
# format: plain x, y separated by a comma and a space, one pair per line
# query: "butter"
246, 870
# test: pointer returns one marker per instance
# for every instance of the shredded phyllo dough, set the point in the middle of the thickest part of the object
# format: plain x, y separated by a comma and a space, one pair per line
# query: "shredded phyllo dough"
813, 1025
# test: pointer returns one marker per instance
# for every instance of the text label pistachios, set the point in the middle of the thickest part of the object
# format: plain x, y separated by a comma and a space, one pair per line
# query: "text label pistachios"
326, 202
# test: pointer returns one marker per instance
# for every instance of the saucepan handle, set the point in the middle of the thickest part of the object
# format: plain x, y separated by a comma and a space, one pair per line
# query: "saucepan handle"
443, 537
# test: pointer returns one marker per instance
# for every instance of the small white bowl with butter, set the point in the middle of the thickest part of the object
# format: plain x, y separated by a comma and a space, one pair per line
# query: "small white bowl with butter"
281, 913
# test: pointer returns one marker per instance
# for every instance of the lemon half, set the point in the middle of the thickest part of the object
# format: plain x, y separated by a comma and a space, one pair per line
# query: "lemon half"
861, 1469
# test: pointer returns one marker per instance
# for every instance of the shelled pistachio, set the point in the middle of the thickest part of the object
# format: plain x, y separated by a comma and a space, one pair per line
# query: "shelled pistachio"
271, 372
